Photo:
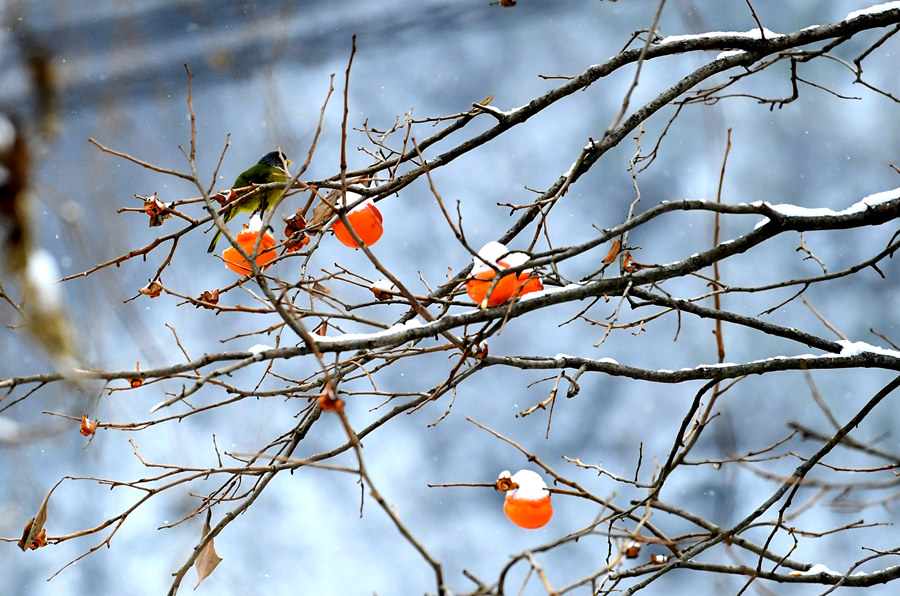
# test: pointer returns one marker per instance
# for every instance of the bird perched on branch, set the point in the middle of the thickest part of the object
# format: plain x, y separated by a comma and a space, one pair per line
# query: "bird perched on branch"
270, 168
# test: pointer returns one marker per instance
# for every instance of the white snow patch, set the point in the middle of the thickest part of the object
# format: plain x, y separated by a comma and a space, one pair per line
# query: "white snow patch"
853, 348
880, 197
532, 295
531, 486
815, 570
385, 285
367, 204
489, 254
411, 324
255, 223
546, 290
873, 9
850, 348
570, 286
257, 348
729, 54
352, 197
514, 259
751, 34
789, 210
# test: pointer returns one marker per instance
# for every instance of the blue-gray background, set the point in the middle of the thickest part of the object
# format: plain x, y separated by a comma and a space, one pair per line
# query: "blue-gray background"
262, 74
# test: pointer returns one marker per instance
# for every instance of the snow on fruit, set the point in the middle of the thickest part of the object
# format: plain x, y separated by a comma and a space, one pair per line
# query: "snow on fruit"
527, 502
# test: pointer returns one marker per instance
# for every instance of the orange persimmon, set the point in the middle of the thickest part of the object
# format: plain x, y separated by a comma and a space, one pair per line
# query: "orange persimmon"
478, 285
527, 504
247, 239
528, 282
366, 221
510, 285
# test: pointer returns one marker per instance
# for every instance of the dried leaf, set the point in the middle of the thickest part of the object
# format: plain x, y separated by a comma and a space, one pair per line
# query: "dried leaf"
295, 232
383, 289
328, 399
35, 526
297, 242
505, 482
486, 100
156, 209
207, 559
26, 535
223, 197
632, 549
209, 297
613, 252
39, 540
87, 427
324, 210
630, 265
329, 402
153, 289
294, 224
318, 288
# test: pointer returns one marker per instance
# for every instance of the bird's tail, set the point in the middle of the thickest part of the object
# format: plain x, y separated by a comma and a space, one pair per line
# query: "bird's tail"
212, 245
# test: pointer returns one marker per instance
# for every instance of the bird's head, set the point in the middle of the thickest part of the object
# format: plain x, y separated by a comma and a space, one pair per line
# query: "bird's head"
274, 159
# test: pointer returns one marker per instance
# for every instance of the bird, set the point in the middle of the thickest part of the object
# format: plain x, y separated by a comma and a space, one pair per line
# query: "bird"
269, 168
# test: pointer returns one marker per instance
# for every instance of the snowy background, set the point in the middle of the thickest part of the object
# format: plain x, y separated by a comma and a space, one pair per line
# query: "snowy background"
261, 74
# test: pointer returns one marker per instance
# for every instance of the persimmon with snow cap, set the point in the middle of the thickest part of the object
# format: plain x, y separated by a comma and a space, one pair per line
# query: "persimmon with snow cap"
366, 221
482, 276
246, 238
527, 502
478, 286
527, 281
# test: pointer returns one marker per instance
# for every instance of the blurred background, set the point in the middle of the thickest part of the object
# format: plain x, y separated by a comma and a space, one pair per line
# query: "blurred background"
114, 72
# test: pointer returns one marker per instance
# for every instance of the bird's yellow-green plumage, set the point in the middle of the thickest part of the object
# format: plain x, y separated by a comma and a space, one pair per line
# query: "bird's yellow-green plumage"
268, 169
